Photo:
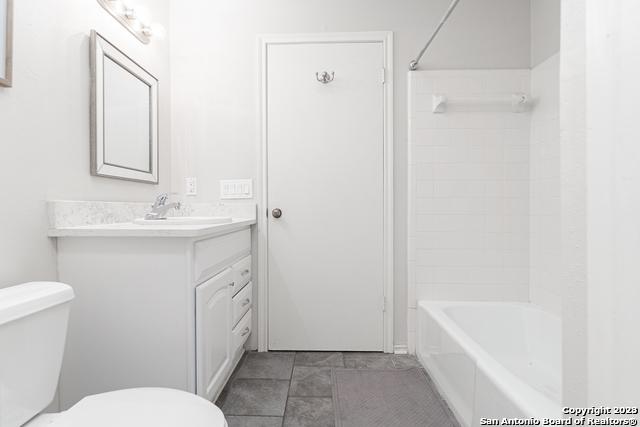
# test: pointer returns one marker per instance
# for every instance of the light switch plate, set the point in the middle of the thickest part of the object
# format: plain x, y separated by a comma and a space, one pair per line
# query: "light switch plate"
236, 189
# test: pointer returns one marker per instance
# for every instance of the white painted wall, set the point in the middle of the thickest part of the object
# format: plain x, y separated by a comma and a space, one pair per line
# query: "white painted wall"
44, 125
468, 189
545, 30
573, 199
215, 90
600, 215
613, 201
545, 281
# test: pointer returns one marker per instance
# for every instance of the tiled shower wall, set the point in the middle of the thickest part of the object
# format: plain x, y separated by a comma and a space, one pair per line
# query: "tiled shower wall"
468, 188
545, 245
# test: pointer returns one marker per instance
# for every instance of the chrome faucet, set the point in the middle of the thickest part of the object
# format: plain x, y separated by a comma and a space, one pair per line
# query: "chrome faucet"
160, 208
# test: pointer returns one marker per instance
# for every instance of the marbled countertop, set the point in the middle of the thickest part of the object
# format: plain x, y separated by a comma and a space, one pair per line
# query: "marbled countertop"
114, 219
129, 229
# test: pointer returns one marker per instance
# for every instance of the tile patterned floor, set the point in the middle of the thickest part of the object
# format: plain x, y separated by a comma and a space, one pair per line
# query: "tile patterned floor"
293, 389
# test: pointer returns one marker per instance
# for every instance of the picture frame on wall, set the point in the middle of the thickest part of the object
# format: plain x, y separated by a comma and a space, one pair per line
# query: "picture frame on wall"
6, 42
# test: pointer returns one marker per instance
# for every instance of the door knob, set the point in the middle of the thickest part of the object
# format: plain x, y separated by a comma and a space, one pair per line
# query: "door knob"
277, 213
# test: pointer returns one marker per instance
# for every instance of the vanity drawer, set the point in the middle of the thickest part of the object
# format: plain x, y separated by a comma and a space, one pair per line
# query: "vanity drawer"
241, 332
212, 255
242, 302
241, 273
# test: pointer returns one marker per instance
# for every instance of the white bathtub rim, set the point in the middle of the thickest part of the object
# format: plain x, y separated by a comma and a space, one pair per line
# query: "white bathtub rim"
503, 379
525, 396
443, 390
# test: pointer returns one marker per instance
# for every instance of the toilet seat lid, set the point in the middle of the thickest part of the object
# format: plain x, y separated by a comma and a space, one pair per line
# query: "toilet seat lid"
141, 407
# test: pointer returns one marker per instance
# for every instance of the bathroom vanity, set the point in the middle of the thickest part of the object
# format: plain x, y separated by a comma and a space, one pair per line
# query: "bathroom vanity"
156, 306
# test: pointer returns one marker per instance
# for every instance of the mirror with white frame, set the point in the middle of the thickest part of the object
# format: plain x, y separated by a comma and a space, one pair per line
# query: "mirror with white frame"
6, 42
124, 115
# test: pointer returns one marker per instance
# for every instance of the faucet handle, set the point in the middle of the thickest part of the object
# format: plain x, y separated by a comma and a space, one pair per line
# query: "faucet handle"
160, 200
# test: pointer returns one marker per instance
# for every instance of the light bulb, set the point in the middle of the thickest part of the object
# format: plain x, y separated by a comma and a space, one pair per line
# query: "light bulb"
158, 31
130, 14
143, 14
127, 9
116, 5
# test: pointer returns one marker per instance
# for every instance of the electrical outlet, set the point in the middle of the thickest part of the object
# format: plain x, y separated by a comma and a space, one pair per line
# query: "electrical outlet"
191, 186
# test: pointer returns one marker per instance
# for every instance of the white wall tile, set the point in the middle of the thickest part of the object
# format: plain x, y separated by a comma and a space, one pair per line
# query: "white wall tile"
448, 222
475, 292
469, 227
425, 188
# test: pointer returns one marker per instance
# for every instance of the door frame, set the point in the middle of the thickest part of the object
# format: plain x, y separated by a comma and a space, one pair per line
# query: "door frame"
264, 41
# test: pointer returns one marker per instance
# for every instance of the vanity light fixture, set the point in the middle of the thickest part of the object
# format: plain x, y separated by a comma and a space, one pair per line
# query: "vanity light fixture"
129, 18
130, 14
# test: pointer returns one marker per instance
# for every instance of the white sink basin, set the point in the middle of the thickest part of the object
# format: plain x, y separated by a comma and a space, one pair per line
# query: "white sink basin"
185, 220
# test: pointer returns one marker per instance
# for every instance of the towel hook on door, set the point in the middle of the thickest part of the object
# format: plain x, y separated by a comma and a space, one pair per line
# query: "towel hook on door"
325, 77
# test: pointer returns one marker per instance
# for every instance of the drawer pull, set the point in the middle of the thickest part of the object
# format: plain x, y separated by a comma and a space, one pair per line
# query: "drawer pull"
232, 284
245, 331
246, 302
245, 272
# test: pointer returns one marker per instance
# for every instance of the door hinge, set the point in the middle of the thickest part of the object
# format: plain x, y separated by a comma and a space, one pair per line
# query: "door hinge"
383, 75
384, 304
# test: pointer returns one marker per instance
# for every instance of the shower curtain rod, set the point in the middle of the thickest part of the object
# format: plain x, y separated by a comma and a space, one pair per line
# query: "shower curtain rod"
413, 65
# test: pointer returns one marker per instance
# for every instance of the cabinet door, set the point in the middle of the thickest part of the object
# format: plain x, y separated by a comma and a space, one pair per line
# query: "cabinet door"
213, 333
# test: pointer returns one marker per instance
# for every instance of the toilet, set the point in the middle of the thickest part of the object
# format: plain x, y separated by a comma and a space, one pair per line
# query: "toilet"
33, 324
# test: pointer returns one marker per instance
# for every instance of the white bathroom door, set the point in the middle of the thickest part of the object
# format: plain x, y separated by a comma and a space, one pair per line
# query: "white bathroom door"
325, 170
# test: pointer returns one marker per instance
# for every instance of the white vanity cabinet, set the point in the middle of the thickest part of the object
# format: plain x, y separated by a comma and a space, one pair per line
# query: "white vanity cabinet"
155, 311
213, 333
220, 334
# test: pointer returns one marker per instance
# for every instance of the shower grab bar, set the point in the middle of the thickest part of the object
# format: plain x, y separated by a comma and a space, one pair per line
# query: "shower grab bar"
413, 65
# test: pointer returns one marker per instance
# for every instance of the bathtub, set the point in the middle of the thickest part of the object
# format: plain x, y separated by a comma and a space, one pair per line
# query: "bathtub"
492, 360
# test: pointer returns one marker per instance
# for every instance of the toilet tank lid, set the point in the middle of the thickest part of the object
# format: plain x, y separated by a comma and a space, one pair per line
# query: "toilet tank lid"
22, 300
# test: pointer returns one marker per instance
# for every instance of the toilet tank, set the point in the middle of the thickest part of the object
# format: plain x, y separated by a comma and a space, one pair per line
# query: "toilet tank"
33, 328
